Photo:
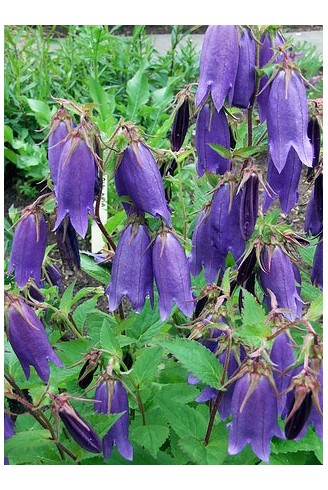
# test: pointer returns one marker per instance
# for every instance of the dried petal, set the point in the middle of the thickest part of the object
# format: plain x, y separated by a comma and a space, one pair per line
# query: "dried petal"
245, 80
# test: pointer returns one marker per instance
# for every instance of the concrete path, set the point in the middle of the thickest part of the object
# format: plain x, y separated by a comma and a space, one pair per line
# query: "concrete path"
162, 42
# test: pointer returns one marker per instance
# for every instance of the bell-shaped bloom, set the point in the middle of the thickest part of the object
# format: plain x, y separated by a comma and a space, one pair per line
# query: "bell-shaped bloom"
218, 65
172, 275
29, 340
54, 276
287, 120
8, 432
180, 125
314, 211
255, 418
132, 271
138, 177
68, 245
283, 185
203, 252
60, 127
269, 41
29, 246
317, 268
211, 128
76, 182
114, 399
280, 278
282, 356
81, 431
246, 76
249, 203
225, 223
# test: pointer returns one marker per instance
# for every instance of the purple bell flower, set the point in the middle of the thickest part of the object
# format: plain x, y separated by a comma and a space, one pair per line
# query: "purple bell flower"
54, 275
255, 416
8, 432
249, 203
285, 184
29, 340
317, 268
225, 224
211, 128
138, 176
218, 65
29, 245
287, 120
114, 399
246, 76
76, 182
203, 252
314, 212
172, 276
282, 355
266, 54
68, 245
132, 271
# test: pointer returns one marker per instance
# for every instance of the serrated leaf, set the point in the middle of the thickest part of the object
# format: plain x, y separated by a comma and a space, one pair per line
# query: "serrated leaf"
151, 437
29, 446
316, 308
253, 313
221, 150
102, 422
143, 326
67, 297
94, 270
183, 419
108, 338
310, 442
138, 93
146, 365
81, 312
196, 359
180, 393
115, 221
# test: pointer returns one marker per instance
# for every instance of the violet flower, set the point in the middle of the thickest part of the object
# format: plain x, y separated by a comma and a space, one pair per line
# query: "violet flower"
218, 65
138, 176
172, 276
180, 125
249, 202
211, 128
225, 223
68, 245
29, 340
203, 252
287, 120
114, 399
132, 271
255, 416
28, 249
54, 275
317, 268
246, 76
284, 184
60, 127
314, 211
76, 182
282, 356
8, 432
281, 280
313, 132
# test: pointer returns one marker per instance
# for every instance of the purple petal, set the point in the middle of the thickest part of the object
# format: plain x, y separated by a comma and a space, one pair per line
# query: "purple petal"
317, 269
245, 80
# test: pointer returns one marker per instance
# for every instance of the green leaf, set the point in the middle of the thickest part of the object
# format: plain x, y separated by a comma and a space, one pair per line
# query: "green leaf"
29, 447
143, 326
115, 221
316, 308
81, 312
146, 365
180, 393
94, 270
41, 110
196, 359
254, 327
151, 437
108, 338
102, 422
8, 135
100, 97
310, 442
221, 150
67, 298
138, 93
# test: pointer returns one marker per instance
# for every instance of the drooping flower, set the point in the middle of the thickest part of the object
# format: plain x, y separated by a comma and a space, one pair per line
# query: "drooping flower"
172, 275
314, 211
9, 431
287, 120
138, 177
76, 182
54, 275
284, 185
282, 355
317, 268
113, 399
281, 280
180, 125
68, 245
268, 43
225, 223
77, 426
249, 202
218, 65
246, 76
29, 245
255, 415
132, 272
211, 128
29, 340
313, 132
203, 252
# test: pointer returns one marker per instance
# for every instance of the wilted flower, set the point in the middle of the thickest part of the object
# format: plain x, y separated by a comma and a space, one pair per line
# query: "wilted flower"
180, 125
249, 202
284, 184
245, 80
287, 119
211, 128
255, 415
280, 279
132, 272
314, 212
203, 252
172, 275
77, 426
8, 432
113, 399
76, 182
218, 65
29, 340
225, 223
68, 245
317, 268
29, 245
282, 356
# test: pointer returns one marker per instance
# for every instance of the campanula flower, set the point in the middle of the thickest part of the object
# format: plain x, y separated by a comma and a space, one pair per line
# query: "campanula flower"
245, 80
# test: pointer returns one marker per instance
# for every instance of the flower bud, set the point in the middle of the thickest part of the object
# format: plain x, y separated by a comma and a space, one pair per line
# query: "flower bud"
29, 245
248, 211
317, 268
245, 80
180, 125
211, 128
314, 211
313, 132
